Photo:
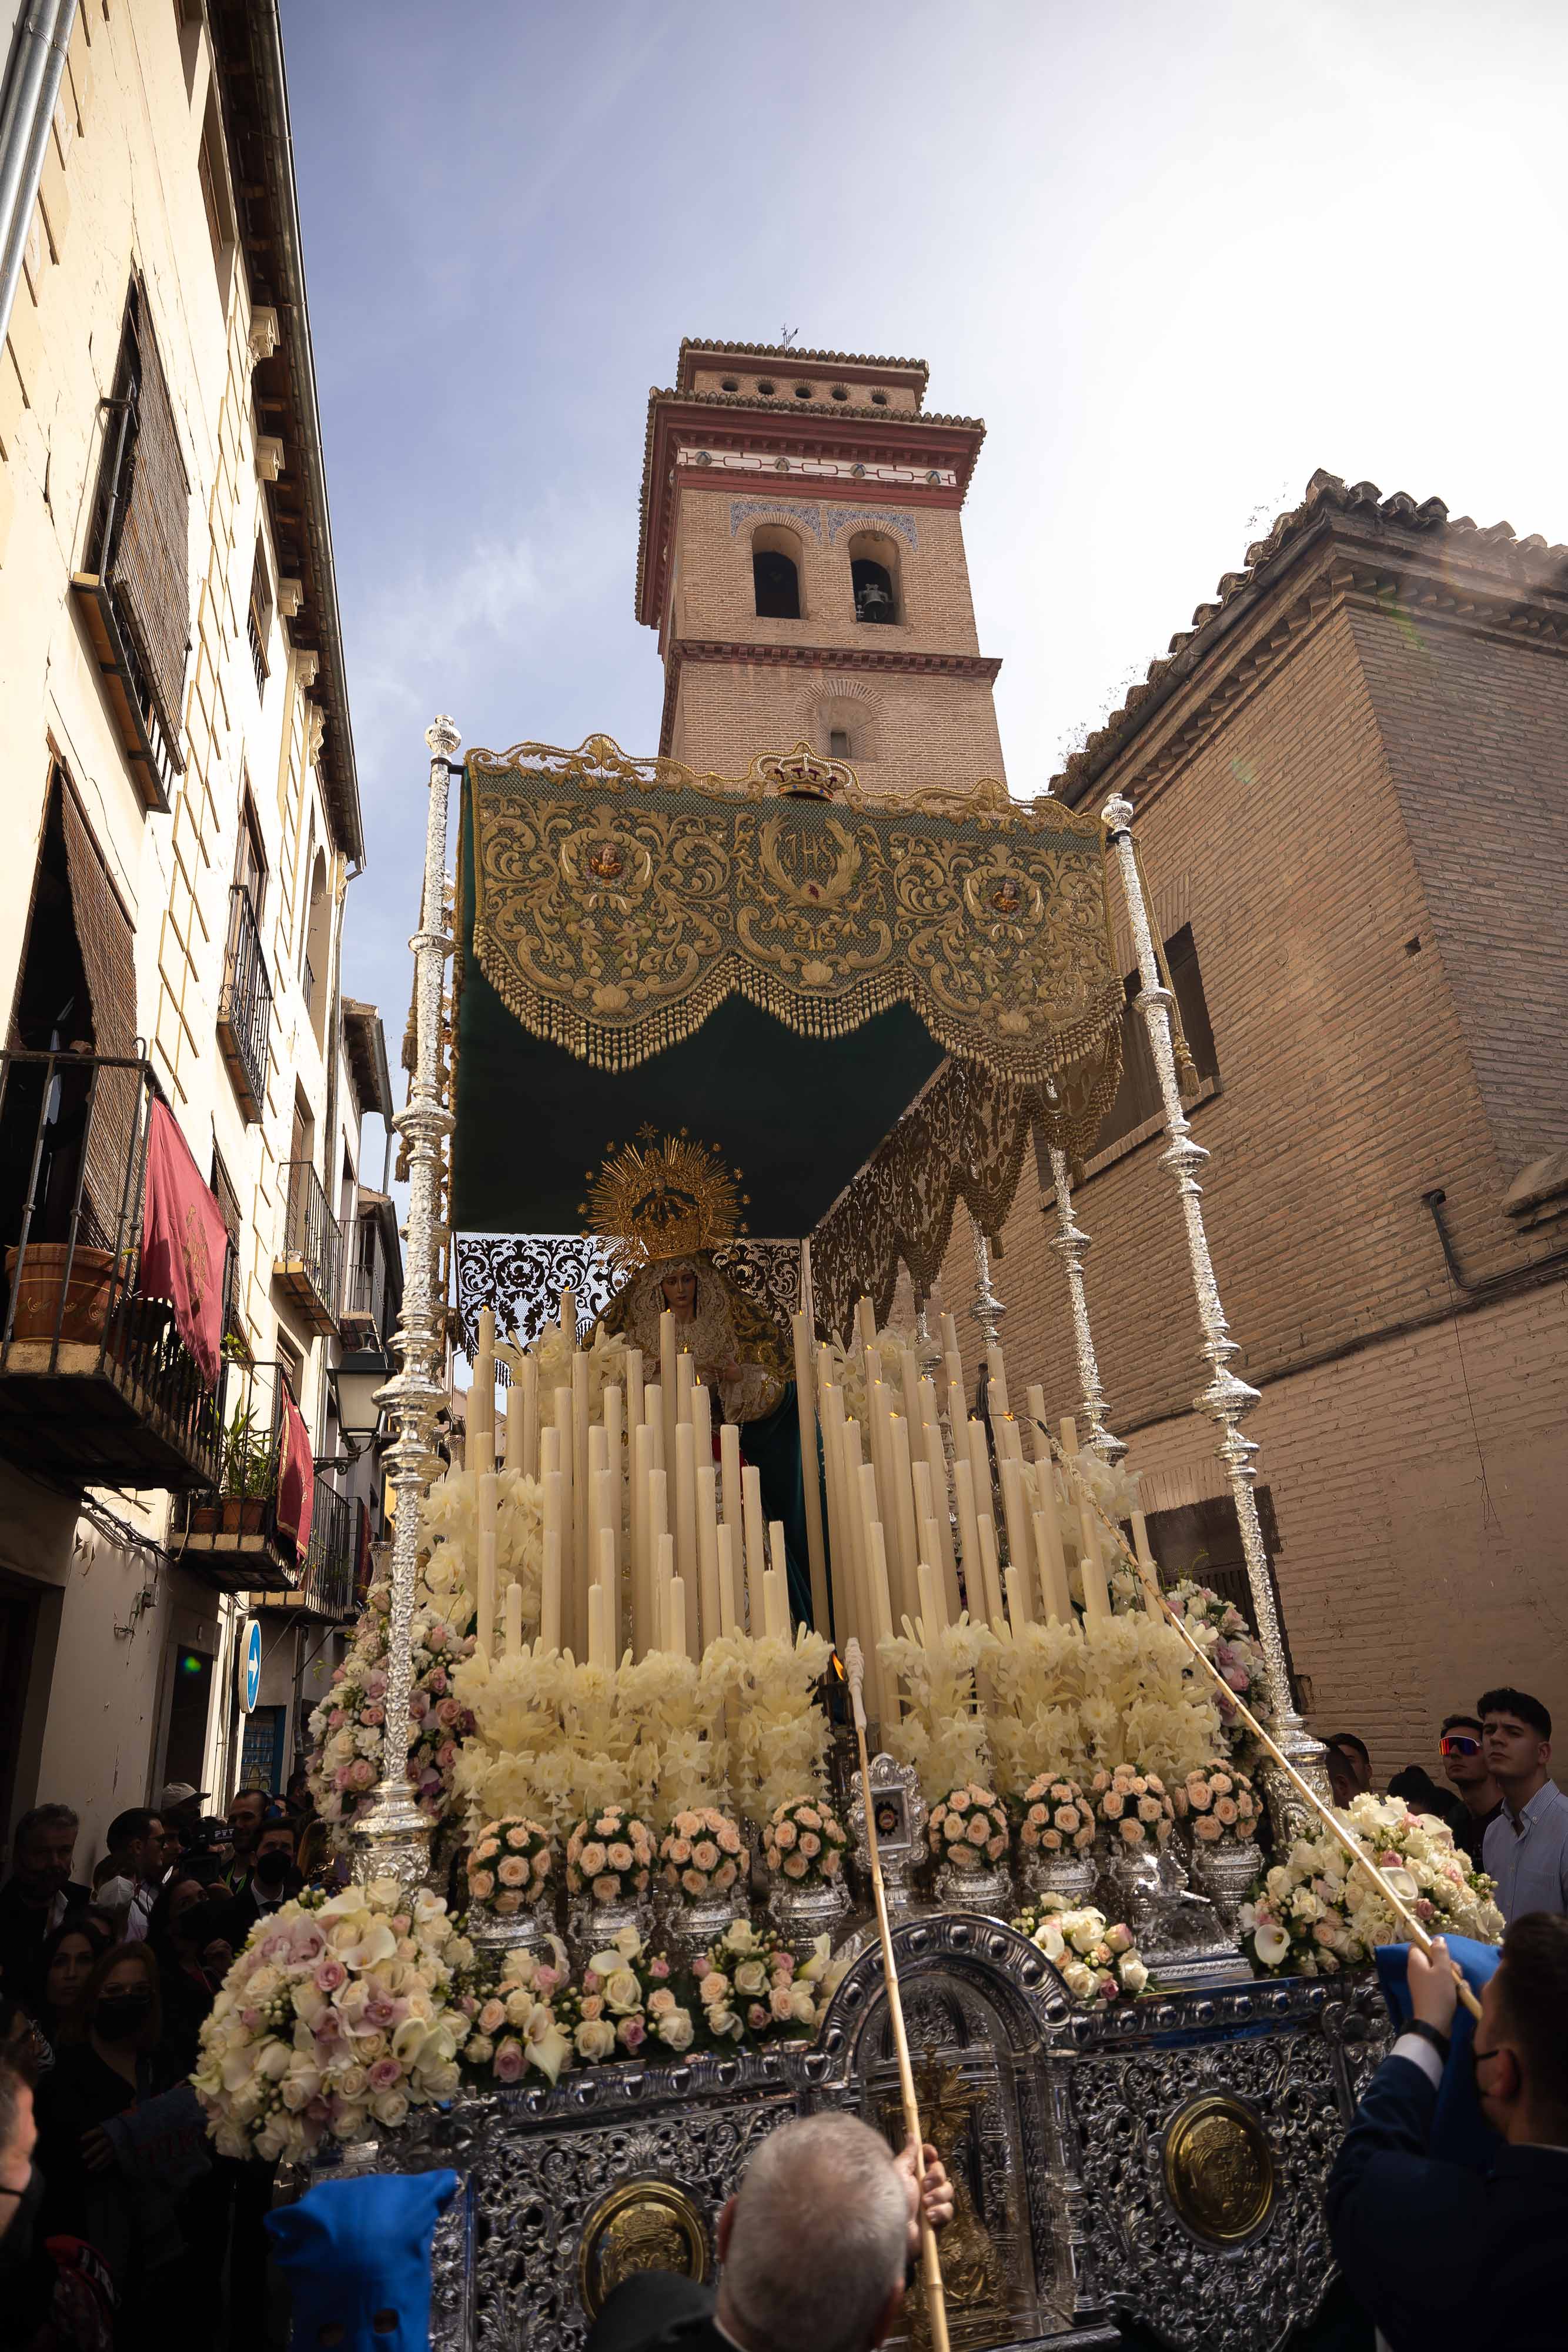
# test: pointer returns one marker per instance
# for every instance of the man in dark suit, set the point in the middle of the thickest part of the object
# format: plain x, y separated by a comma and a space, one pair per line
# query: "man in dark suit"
1437, 2251
273, 1879
36, 1898
815, 2247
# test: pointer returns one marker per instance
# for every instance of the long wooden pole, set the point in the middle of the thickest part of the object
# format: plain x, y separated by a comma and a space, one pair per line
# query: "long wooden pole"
1347, 1838
930, 2260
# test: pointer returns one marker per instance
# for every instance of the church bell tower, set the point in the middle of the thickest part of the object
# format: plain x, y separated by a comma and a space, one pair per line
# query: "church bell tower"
802, 560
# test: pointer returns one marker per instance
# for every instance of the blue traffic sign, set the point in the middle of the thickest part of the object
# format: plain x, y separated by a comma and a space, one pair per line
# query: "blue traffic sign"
250, 1666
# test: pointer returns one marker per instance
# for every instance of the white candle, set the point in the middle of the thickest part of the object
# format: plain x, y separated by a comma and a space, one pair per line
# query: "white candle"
667, 1381
598, 1641
933, 1612
995, 1613
702, 1425
654, 1414
937, 1466
707, 1548
569, 1316
490, 1501
998, 1379
514, 1618
609, 1585
678, 1640
865, 1317
512, 1452
659, 1535
969, 1539
486, 1624
1016, 1513
686, 1383
950, 1336
642, 1574
1018, 1599
755, 1556
561, 1406
728, 1617
1069, 1437
581, 1493
1150, 1566
633, 1387
909, 1377
729, 1467
549, 1591
1096, 1598
810, 1476
855, 1543
685, 1529
1036, 1400
902, 1470
885, 1681
664, 1577
1052, 1564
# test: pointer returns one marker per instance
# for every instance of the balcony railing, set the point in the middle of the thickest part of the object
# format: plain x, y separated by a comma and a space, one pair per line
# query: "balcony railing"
245, 1005
96, 1384
365, 1287
232, 1533
327, 1587
309, 1265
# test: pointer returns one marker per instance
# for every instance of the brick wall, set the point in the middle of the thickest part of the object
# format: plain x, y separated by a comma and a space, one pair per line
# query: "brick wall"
904, 730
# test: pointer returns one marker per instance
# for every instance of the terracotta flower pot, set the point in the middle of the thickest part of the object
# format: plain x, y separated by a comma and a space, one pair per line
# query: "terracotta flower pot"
38, 1291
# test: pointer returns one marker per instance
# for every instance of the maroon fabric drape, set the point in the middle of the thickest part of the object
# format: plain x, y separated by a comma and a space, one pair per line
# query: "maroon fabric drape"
296, 1479
363, 1564
184, 1242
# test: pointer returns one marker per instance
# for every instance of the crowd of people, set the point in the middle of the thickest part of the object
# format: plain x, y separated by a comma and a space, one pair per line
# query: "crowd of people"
127, 2228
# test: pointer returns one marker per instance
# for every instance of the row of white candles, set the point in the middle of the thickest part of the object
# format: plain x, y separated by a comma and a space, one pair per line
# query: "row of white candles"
700, 1564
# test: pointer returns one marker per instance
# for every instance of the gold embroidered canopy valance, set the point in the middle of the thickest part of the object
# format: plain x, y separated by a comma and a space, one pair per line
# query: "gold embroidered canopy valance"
618, 902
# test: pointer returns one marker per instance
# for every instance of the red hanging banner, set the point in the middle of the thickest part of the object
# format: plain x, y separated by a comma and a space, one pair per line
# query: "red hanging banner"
184, 1242
296, 1479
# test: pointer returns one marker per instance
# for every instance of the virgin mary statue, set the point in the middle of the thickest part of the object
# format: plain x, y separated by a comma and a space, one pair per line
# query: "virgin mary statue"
664, 1206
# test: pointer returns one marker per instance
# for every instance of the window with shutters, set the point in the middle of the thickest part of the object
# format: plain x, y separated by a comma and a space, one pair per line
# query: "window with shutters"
258, 616
213, 172
134, 589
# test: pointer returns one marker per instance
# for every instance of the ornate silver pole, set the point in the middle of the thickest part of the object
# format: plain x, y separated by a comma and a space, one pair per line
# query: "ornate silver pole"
391, 1837
1073, 1245
988, 1309
1226, 1398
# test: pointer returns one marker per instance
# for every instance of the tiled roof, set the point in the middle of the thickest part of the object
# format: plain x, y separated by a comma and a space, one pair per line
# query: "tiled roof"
792, 351
1531, 561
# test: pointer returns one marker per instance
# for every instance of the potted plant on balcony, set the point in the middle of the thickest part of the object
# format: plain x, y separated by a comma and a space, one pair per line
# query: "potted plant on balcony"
248, 1476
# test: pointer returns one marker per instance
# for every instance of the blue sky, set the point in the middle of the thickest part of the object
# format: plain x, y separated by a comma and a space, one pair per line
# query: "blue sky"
1177, 257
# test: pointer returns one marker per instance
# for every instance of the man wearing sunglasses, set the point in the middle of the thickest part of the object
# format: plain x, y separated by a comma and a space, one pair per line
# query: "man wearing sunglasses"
1445, 2253
1526, 1848
1464, 1770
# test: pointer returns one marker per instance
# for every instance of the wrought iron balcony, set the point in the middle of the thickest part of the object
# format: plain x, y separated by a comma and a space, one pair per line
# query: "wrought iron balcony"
96, 1384
327, 1588
309, 1265
232, 1533
365, 1289
244, 1005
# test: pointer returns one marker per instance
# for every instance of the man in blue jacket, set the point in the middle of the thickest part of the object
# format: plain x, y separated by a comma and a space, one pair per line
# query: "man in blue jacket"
1438, 2252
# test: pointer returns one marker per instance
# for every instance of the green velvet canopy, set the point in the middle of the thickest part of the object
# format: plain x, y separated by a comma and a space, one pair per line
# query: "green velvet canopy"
778, 963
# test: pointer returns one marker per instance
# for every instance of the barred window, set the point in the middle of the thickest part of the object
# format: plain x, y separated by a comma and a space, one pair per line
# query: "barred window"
1138, 1096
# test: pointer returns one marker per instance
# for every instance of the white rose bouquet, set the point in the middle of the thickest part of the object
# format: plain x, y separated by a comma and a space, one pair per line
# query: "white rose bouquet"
969, 1828
625, 2005
701, 1851
1317, 1913
515, 2026
348, 1727
510, 1865
804, 1843
1096, 1962
610, 1855
1222, 1803
1136, 1808
1057, 1818
341, 2014
1221, 1629
752, 1988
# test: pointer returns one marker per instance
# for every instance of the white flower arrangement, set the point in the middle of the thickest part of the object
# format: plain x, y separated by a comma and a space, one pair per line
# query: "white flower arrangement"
624, 2003
701, 1851
347, 1729
510, 1865
340, 2016
449, 1526
1058, 1700
781, 1733
610, 1855
1317, 1913
892, 1343
943, 1734
515, 2026
552, 1351
1057, 1820
751, 1988
1222, 1803
803, 1844
968, 1829
1096, 1962
1220, 1628
1136, 1808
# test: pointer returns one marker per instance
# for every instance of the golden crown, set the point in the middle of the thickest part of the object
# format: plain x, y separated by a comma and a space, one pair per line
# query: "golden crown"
662, 1197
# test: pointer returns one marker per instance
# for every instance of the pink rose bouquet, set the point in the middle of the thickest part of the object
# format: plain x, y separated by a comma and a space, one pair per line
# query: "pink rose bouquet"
626, 2006
348, 1728
1057, 1818
1096, 1962
753, 1988
1222, 1803
1137, 1809
804, 1842
968, 1829
509, 1868
610, 1855
702, 1852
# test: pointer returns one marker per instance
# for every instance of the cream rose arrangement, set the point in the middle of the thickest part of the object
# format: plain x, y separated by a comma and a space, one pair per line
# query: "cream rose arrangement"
625, 2005
803, 1844
1317, 1913
751, 1988
341, 2014
509, 1867
969, 1828
1222, 1804
348, 1727
1096, 1962
701, 1853
610, 1855
1056, 1819
1137, 1809
514, 2025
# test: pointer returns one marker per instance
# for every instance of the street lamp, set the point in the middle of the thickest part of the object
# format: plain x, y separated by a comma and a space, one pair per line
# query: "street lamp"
354, 1383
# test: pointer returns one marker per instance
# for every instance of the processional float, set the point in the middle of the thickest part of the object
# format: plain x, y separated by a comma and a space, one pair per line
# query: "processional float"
875, 1009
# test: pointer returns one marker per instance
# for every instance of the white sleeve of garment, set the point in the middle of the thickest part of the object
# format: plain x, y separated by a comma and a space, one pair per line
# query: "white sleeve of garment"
1420, 2053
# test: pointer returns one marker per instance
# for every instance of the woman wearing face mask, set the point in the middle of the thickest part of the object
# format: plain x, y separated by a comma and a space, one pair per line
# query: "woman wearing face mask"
188, 1932
105, 2067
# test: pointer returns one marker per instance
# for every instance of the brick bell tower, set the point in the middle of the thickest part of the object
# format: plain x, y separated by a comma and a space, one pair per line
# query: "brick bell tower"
803, 559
